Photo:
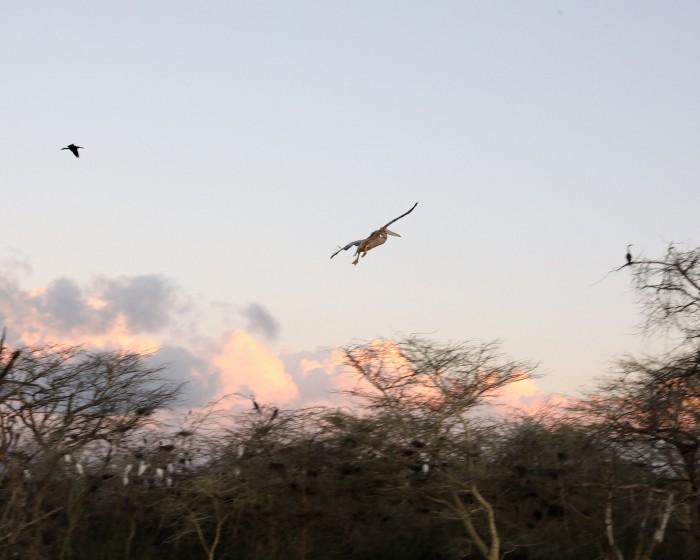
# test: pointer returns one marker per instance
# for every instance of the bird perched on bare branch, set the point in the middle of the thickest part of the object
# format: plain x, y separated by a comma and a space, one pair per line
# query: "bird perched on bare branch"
628, 258
74, 149
375, 239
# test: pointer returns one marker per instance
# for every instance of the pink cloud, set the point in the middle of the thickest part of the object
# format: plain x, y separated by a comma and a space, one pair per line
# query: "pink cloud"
245, 365
144, 314
525, 396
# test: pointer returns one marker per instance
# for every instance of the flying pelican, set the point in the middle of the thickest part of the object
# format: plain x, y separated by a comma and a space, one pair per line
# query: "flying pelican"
628, 256
375, 239
73, 148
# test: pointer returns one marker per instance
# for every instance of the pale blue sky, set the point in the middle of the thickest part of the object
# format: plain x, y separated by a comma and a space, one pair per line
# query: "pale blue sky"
231, 146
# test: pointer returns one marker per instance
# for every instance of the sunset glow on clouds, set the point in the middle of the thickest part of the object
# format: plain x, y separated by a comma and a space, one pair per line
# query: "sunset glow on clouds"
107, 309
145, 314
322, 377
247, 366
525, 396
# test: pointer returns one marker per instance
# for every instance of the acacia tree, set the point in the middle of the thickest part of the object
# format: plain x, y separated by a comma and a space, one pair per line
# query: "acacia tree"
427, 390
64, 414
668, 289
650, 412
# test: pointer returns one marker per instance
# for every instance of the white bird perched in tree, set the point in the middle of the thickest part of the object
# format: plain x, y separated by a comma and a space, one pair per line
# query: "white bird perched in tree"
127, 470
186, 461
375, 239
142, 467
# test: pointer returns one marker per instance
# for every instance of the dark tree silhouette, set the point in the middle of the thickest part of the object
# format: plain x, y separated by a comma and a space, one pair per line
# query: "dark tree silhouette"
668, 291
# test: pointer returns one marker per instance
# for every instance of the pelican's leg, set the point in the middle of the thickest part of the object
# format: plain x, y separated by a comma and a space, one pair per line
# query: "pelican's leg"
359, 254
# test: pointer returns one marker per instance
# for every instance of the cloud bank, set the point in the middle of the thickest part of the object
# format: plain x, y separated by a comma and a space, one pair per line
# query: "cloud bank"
150, 314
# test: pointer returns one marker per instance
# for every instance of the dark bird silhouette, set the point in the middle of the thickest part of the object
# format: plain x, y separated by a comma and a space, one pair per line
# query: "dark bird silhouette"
628, 258
275, 412
73, 148
375, 239
256, 406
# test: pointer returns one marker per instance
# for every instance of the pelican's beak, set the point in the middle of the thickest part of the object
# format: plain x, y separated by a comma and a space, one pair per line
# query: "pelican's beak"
392, 233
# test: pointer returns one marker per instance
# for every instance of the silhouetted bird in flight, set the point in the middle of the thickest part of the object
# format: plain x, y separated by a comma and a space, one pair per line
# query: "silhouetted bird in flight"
375, 239
628, 256
73, 148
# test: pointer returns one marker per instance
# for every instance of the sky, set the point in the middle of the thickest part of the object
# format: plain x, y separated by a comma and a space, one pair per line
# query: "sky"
231, 147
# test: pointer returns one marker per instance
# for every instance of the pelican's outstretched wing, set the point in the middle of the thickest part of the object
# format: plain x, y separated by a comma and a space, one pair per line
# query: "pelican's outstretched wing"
353, 244
401, 216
